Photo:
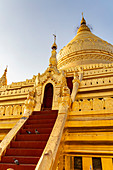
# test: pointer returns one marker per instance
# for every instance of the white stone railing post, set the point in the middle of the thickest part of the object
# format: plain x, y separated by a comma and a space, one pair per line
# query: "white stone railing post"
29, 104
76, 82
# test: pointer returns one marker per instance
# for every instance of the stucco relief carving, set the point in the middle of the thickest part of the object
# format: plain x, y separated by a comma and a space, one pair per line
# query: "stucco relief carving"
17, 110
8, 110
85, 105
100, 68
97, 104
56, 78
49, 73
16, 91
2, 110
100, 81
79, 57
57, 93
97, 82
75, 106
38, 94
65, 100
108, 103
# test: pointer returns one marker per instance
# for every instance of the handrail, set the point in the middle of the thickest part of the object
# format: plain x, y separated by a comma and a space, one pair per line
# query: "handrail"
12, 133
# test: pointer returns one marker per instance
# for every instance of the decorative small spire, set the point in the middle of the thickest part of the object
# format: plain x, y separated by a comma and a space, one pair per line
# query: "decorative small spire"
53, 60
3, 79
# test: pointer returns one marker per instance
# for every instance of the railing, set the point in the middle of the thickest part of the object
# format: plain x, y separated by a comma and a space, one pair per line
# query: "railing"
98, 68
98, 71
97, 82
16, 91
12, 133
93, 104
19, 84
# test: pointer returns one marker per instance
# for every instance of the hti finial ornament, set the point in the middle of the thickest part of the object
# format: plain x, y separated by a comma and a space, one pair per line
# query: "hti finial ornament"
82, 15
6, 68
54, 46
83, 20
54, 38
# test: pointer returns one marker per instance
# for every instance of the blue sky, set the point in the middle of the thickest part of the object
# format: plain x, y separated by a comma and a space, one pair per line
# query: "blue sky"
27, 27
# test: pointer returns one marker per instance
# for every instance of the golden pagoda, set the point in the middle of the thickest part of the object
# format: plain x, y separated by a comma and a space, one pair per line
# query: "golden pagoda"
61, 119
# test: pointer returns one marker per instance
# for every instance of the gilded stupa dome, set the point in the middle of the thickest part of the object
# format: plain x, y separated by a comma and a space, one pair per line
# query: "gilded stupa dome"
85, 48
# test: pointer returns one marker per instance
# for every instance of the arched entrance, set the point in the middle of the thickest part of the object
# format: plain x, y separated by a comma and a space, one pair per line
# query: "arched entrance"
48, 97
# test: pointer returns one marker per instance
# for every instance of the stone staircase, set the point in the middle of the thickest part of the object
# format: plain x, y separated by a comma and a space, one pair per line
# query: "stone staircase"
27, 148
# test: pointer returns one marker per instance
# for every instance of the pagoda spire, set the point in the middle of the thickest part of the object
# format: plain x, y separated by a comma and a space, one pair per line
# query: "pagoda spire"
83, 21
53, 60
83, 26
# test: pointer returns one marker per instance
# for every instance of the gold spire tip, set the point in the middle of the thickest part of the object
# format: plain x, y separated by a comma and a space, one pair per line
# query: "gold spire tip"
6, 68
83, 21
54, 38
83, 26
82, 15
54, 46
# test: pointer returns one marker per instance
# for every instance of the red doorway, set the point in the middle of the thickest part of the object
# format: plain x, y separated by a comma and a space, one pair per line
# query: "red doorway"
48, 97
